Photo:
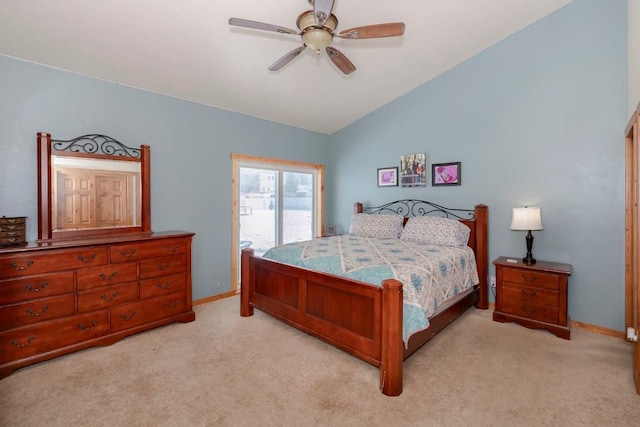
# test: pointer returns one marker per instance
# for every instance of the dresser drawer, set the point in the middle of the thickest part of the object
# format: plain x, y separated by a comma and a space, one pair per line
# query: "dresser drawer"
7, 222
47, 336
163, 285
35, 263
138, 251
530, 278
106, 275
163, 266
519, 294
26, 313
135, 314
16, 290
543, 313
107, 297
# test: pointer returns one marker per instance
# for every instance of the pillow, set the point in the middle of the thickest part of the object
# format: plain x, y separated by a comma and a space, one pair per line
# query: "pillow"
436, 231
374, 225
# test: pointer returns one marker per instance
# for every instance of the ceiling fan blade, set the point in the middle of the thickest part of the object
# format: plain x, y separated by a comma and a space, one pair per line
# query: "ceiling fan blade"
391, 29
239, 22
286, 59
341, 61
322, 11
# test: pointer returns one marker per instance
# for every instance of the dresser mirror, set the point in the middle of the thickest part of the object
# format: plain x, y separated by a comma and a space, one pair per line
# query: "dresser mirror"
90, 186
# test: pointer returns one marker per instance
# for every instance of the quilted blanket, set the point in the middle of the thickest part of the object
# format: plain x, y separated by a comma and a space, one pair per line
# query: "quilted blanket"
431, 275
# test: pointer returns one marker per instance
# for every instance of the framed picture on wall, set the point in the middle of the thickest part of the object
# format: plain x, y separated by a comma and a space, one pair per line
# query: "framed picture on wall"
413, 171
388, 177
446, 174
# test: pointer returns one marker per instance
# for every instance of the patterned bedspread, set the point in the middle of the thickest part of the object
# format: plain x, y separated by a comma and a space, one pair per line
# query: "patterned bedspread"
431, 275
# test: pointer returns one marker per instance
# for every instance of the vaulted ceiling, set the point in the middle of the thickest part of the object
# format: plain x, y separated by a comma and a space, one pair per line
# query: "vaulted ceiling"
187, 50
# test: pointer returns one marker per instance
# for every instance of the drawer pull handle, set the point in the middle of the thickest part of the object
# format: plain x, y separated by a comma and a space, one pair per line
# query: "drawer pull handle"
11, 227
528, 279
83, 259
16, 344
104, 276
36, 289
33, 314
164, 287
164, 267
172, 248
128, 255
109, 298
527, 294
130, 317
13, 233
15, 266
13, 221
172, 305
88, 328
528, 311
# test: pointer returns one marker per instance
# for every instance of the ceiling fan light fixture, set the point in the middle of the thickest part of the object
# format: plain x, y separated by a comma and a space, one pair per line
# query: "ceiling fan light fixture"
317, 39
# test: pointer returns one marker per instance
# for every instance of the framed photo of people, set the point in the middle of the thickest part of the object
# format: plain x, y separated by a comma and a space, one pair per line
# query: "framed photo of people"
446, 174
413, 170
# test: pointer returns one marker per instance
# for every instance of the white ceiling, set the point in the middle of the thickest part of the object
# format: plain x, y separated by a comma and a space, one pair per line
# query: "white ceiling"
187, 50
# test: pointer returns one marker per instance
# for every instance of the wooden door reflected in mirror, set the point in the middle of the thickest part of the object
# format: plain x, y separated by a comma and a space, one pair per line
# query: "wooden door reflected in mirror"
90, 186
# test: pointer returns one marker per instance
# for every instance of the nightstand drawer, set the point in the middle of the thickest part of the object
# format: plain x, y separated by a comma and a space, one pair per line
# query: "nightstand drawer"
530, 278
519, 294
543, 313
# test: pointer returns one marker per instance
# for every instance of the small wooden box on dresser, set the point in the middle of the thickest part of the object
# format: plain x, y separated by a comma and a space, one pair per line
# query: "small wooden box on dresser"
13, 231
534, 296
58, 297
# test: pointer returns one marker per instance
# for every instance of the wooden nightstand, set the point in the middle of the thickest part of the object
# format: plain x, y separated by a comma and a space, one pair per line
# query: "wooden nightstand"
534, 296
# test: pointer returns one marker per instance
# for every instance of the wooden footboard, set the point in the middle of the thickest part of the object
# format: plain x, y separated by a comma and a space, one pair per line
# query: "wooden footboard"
361, 319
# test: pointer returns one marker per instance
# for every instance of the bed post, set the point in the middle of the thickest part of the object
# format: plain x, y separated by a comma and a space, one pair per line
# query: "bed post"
245, 286
482, 253
357, 207
391, 356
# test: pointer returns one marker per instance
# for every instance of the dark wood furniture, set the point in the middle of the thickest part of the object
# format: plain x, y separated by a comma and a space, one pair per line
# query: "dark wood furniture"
64, 296
13, 231
90, 281
534, 296
359, 318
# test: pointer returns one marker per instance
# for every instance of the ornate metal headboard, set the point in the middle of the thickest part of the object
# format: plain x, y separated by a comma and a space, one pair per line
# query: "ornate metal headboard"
414, 207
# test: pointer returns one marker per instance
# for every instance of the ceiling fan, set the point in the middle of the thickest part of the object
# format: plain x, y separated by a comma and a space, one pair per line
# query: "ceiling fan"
317, 29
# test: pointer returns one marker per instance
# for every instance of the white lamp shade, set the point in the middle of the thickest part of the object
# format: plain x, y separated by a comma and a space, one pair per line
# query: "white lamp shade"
527, 218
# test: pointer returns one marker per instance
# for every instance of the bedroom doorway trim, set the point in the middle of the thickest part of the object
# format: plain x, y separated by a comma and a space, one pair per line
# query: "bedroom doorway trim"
279, 168
632, 239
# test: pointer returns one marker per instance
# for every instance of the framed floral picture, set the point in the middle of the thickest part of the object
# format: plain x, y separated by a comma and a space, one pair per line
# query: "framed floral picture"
388, 177
413, 171
446, 174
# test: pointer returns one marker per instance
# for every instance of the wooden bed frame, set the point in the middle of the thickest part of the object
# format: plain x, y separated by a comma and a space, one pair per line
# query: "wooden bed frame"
359, 318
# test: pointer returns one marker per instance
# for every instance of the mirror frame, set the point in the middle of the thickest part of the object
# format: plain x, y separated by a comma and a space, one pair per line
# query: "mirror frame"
92, 146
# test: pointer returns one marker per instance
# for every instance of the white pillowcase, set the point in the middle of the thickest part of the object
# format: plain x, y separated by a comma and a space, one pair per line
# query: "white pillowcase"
436, 231
374, 225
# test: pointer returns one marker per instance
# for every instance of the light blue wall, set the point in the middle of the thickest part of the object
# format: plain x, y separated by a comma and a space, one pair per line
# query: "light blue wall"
190, 152
537, 119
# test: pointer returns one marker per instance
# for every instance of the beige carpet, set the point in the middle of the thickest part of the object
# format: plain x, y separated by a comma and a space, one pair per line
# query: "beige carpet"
224, 370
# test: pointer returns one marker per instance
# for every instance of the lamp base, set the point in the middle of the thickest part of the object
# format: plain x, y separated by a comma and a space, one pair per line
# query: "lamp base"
529, 260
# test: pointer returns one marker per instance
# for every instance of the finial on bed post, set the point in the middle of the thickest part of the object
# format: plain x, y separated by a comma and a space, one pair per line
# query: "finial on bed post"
357, 207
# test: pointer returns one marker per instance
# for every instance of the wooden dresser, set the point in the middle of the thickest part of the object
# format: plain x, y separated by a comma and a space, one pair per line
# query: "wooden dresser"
63, 296
534, 296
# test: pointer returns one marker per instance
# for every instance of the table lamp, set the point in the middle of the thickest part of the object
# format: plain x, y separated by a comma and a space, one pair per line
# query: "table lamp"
527, 219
